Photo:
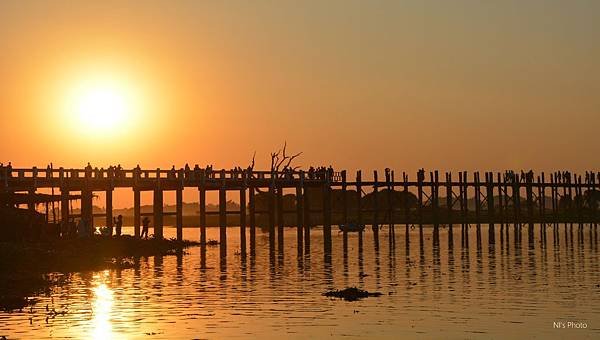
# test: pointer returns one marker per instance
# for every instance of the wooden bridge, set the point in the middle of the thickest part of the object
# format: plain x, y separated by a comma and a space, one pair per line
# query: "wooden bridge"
500, 198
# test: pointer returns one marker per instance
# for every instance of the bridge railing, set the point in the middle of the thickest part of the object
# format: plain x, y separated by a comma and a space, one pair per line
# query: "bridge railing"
174, 174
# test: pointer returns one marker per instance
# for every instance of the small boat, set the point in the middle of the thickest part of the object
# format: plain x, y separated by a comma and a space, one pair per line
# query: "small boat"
352, 227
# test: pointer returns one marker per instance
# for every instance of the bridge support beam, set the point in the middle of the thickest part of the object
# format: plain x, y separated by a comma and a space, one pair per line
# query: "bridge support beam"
179, 213
300, 214
243, 221
158, 213
223, 221
280, 222
202, 203
136, 212
109, 210
64, 210
86, 209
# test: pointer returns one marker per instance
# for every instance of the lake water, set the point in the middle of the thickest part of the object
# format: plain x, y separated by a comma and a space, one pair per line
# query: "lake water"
512, 289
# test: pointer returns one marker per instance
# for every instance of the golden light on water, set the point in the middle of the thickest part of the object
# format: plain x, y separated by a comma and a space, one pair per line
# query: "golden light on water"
103, 303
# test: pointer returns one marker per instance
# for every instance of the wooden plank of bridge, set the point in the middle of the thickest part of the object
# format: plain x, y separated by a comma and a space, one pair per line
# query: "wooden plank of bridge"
327, 213
243, 216
136, 212
223, 220
158, 212
109, 210
280, 221
300, 213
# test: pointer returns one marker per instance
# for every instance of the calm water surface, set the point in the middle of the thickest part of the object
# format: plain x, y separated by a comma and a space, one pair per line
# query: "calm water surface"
512, 289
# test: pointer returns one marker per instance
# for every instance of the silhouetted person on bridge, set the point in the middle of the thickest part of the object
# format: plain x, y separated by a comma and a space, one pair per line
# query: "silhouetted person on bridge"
145, 224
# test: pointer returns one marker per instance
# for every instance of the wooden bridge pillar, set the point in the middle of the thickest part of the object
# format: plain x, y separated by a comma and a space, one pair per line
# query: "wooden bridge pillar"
375, 220
407, 214
86, 208
243, 217
300, 213
179, 213
136, 212
327, 215
271, 212
252, 224
158, 213
491, 215
223, 221
389, 182
477, 183
517, 205
435, 186
202, 206
420, 177
64, 210
500, 203
280, 221
307, 220
529, 192
449, 206
109, 210
344, 212
359, 216
31, 204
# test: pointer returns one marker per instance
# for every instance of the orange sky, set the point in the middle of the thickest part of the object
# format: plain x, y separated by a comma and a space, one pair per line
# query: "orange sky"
449, 85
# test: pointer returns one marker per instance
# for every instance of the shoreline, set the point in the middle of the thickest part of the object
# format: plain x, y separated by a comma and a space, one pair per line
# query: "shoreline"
29, 269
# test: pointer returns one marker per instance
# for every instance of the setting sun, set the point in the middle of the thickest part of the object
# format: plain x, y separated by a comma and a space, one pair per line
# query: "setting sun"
105, 106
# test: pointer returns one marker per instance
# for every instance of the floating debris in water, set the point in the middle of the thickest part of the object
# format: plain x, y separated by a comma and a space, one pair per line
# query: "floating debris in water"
350, 294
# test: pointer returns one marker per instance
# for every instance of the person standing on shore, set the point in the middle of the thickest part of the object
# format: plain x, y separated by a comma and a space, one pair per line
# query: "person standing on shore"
145, 224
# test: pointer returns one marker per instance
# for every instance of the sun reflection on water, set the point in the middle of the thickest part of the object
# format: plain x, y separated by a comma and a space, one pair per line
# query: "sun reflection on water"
102, 307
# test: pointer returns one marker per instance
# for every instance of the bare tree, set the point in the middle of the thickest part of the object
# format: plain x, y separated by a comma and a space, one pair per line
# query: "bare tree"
251, 166
281, 161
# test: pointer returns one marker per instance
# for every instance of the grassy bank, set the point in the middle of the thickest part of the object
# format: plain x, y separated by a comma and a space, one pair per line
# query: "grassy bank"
28, 269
